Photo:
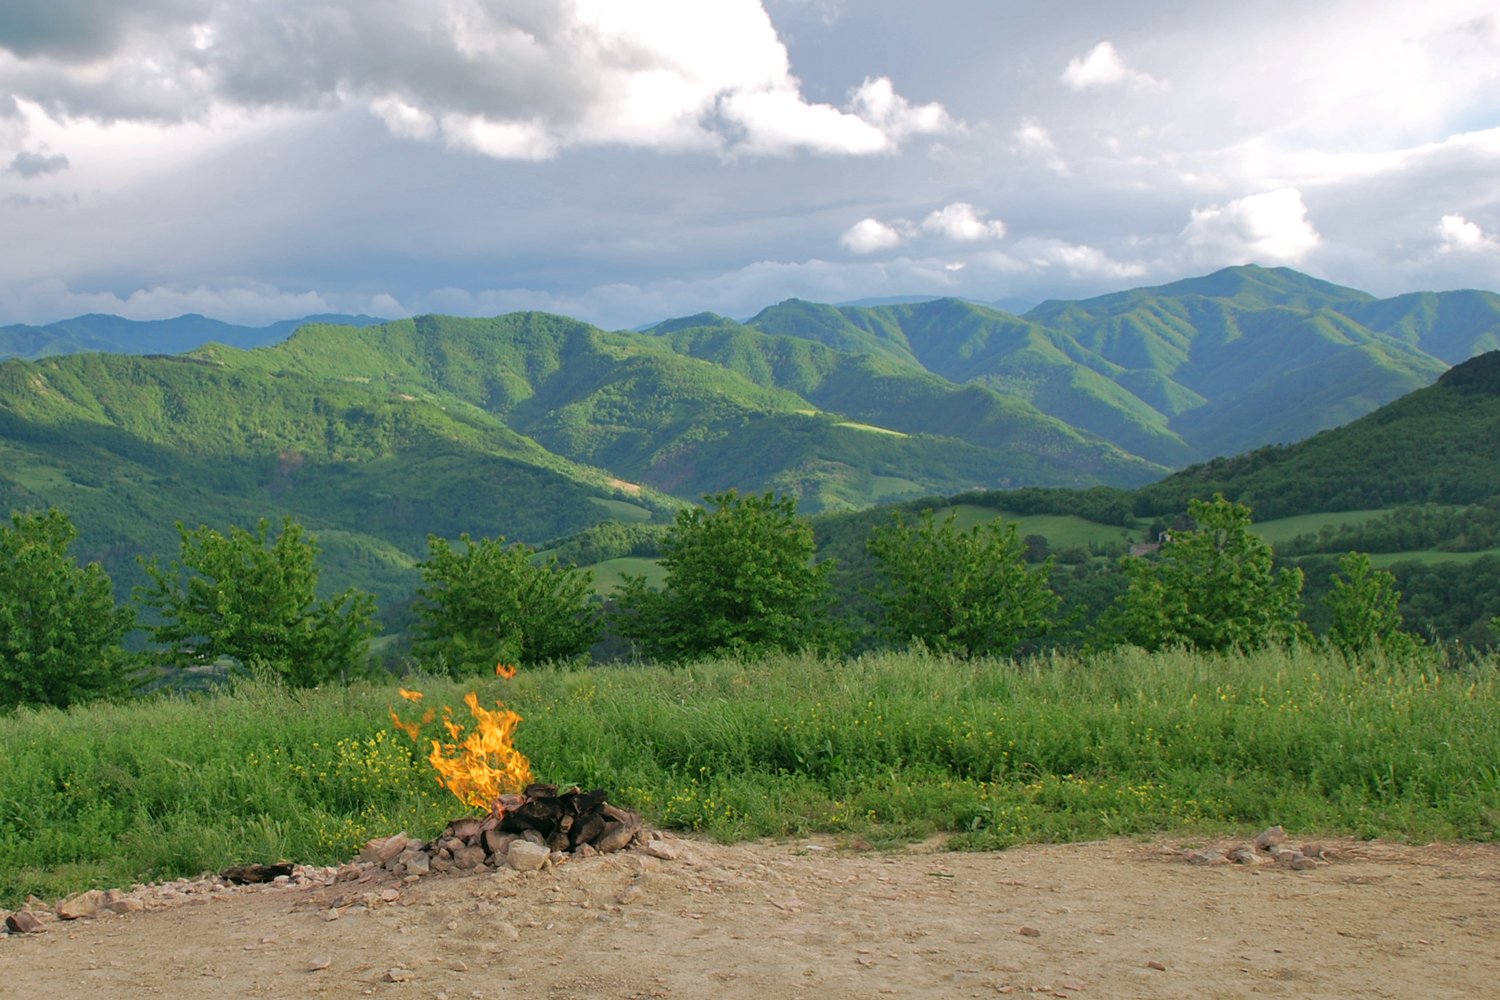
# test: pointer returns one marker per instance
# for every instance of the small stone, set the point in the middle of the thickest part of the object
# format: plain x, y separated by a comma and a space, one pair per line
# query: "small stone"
1270, 835
1302, 863
629, 894
525, 856
458, 965
417, 862
24, 922
1316, 851
1159, 967
318, 963
468, 858
1029, 932
1245, 856
332, 913
507, 930
389, 895
396, 976
127, 904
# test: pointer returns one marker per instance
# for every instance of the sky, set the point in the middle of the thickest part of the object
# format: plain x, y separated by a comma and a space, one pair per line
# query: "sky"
627, 161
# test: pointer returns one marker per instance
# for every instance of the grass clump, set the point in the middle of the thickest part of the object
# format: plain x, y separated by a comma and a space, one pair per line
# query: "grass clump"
887, 748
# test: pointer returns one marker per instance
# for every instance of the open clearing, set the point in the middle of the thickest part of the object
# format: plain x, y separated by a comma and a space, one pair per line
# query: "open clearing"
1106, 919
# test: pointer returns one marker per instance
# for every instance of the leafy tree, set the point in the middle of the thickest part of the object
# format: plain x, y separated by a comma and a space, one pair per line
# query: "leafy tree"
964, 592
60, 629
1363, 603
1214, 587
492, 603
740, 578
253, 600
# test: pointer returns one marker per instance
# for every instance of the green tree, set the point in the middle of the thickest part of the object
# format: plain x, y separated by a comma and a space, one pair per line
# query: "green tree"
968, 593
1213, 587
1364, 605
60, 629
253, 600
493, 604
740, 578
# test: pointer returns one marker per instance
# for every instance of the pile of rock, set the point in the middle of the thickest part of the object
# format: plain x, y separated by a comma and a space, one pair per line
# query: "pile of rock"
1269, 847
37, 915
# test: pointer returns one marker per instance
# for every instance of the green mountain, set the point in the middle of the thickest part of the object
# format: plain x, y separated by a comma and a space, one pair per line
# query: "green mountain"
527, 425
1439, 444
537, 426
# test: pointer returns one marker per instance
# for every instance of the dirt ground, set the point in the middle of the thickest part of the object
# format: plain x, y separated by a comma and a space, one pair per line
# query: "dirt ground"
1110, 919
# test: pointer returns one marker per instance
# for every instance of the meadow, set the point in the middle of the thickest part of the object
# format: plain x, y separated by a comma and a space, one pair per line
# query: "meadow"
885, 748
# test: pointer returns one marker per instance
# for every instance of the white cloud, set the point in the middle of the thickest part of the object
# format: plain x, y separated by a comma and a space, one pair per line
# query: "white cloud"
522, 79
1078, 260
1104, 67
1271, 226
958, 221
1033, 141
1459, 235
870, 235
962, 221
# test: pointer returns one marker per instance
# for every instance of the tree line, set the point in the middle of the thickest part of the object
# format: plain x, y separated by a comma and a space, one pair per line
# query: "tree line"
741, 578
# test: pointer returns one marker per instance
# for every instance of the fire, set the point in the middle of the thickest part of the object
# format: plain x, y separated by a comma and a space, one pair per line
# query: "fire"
479, 767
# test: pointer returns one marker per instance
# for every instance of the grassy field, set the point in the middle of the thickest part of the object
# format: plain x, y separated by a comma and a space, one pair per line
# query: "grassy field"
1060, 530
888, 748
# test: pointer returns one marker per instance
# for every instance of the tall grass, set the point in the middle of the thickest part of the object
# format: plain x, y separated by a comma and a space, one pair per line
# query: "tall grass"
886, 748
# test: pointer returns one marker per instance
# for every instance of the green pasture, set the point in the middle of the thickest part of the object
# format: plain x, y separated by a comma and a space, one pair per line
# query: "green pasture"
1060, 530
889, 748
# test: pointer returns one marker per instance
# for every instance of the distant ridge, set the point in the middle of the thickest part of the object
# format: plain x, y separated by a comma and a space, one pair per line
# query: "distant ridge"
116, 335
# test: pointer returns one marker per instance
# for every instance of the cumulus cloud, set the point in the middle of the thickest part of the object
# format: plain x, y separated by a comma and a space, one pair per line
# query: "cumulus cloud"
962, 221
958, 221
1271, 226
1104, 67
1459, 235
1077, 260
871, 235
30, 164
520, 79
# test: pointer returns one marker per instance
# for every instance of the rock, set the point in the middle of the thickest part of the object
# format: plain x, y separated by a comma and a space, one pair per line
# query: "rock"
1316, 851
1269, 836
1029, 932
416, 862
127, 904
1245, 856
469, 858
1302, 863
318, 963
24, 922
507, 930
666, 850
397, 976
85, 904
1158, 966
525, 856
380, 851
497, 843
389, 895
1205, 858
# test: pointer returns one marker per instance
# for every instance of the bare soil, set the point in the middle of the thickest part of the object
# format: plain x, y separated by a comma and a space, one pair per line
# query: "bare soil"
1109, 919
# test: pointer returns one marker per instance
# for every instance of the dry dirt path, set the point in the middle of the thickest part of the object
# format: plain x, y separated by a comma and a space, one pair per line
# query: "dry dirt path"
1109, 919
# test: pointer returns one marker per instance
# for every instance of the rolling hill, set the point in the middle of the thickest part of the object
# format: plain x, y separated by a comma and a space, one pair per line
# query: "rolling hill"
536, 426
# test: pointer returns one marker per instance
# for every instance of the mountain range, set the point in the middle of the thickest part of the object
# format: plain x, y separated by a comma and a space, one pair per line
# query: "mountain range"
531, 425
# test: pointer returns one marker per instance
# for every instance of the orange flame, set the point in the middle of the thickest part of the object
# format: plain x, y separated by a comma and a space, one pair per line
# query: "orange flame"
486, 764
505, 670
478, 768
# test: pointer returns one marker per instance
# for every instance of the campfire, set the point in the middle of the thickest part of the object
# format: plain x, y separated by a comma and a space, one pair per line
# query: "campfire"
481, 766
